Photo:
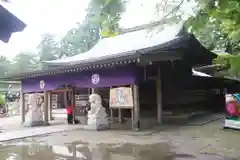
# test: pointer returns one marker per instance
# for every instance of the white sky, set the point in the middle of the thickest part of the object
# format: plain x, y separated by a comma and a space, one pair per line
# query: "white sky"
58, 16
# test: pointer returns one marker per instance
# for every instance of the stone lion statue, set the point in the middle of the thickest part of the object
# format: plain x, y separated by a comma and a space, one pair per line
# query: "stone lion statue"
97, 116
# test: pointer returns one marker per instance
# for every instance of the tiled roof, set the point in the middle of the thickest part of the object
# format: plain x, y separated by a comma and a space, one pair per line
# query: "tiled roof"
123, 44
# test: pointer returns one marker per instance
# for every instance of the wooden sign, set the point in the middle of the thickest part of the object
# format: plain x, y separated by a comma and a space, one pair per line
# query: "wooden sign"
121, 97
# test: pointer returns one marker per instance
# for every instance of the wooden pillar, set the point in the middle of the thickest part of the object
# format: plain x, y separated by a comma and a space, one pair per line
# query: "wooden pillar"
159, 97
120, 119
65, 99
46, 103
136, 109
50, 106
22, 107
73, 99
89, 91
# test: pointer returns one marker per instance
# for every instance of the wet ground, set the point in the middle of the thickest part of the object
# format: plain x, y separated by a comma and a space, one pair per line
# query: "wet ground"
206, 142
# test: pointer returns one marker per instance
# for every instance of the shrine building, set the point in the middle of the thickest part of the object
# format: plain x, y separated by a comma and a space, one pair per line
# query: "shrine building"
139, 75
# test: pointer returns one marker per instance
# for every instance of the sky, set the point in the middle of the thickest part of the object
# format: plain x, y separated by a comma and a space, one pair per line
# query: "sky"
41, 16
58, 16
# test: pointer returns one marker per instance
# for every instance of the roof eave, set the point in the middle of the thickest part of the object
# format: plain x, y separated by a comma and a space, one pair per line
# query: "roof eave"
70, 68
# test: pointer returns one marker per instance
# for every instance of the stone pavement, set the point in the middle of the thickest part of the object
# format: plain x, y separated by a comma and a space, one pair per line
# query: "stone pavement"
36, 131
208, 140
14, 122
10, 123
11, 128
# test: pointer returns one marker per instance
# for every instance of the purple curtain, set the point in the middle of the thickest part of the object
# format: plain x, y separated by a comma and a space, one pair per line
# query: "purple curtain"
87, 79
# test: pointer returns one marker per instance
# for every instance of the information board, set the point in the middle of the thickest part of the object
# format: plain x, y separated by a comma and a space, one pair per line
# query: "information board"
121, 97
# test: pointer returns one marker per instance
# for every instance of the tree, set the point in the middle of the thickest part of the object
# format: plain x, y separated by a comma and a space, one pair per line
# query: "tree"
79, 39
102, 20
218, 22
106, 14
49, 48
214, 41
4, 65
23, 62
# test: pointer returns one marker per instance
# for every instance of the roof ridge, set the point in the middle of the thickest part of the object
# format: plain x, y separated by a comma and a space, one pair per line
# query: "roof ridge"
140, 27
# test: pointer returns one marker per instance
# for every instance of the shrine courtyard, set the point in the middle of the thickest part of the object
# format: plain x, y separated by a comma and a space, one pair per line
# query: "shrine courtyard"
208, 142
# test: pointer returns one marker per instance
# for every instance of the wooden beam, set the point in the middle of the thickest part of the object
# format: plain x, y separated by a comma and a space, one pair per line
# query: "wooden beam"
160, 56
61, 90
200, 68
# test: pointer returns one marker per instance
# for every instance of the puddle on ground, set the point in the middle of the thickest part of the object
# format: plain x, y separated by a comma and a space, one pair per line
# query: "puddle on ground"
83, 151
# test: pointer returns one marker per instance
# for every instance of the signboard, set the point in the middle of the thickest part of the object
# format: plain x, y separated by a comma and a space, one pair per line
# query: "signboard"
121, 97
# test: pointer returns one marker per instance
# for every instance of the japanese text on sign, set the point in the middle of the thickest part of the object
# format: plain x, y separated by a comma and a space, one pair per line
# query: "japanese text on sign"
121, 97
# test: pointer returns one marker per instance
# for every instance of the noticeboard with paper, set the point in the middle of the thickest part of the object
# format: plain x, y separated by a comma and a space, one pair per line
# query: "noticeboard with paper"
121, 97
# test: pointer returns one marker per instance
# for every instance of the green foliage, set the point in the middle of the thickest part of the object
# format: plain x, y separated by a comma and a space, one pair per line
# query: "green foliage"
23, 62
226, 15
4, 64
2, 99
79, 39
217, 26
107, 14
48, 48
231, 62
102, 20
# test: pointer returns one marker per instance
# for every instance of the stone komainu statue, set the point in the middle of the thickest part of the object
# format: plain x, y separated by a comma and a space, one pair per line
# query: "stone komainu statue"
97, 116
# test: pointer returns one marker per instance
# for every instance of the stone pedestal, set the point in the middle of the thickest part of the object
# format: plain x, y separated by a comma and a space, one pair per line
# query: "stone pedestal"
34, 115
97, 116
97, 123
33, 118
82, 119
